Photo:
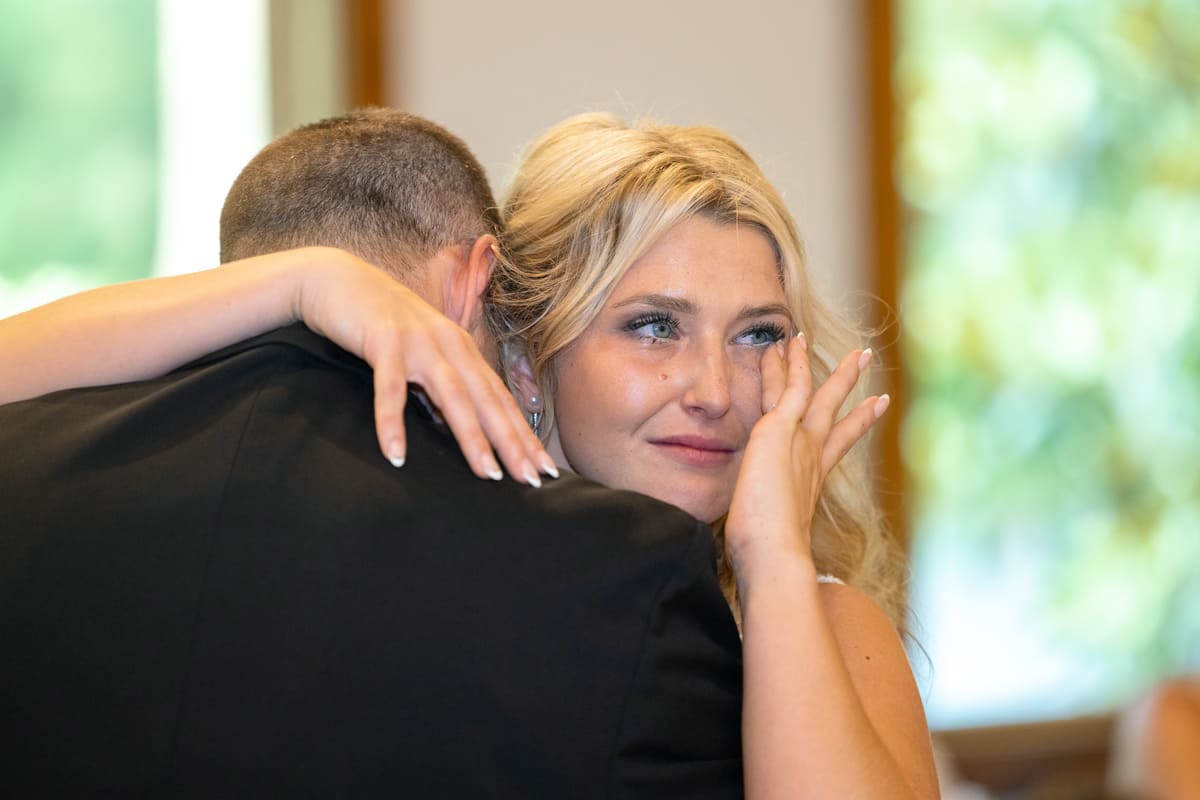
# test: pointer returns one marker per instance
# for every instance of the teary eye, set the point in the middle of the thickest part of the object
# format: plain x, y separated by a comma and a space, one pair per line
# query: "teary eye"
763, 334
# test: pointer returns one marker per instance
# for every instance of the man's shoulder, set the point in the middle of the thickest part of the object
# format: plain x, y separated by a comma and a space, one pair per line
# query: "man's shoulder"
573, 494
435, 459
244, 364
293, 343
579, 519
291, 390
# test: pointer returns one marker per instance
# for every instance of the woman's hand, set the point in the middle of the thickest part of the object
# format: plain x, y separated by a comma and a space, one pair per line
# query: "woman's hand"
406, 340
795, 445
142, 329
814, 652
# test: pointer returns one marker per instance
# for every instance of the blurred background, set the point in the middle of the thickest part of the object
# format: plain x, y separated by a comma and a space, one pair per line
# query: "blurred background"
1008, 189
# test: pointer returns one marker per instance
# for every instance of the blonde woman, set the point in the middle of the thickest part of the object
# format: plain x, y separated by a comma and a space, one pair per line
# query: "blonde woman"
677, 228
646, 300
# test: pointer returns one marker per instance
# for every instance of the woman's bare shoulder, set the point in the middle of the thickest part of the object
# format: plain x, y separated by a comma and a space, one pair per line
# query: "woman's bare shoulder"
858, 622
878, 665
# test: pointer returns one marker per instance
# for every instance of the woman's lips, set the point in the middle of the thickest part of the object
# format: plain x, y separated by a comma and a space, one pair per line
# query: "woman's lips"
696, 451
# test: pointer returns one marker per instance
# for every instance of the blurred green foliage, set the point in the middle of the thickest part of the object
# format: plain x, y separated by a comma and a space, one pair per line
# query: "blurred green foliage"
1050, 161
78, 140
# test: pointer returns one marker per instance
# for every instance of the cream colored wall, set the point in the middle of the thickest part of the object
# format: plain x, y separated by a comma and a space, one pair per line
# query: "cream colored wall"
783, 76
308, 62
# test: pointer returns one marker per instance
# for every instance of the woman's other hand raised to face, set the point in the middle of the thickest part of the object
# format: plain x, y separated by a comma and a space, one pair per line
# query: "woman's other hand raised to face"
791, 451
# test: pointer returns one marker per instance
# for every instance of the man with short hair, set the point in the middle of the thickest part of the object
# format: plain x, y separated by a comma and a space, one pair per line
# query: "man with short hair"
212, 585
391, 187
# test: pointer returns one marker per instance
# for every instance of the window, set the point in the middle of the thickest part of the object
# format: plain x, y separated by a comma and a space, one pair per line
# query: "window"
125, 123
1050, 162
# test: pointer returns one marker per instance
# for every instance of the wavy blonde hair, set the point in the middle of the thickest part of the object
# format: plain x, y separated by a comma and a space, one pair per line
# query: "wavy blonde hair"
591, 196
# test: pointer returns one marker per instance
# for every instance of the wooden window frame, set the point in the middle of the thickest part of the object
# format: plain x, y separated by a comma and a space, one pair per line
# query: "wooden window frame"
366, 34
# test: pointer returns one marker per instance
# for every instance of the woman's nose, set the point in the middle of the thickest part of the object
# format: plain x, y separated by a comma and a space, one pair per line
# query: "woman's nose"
708, 376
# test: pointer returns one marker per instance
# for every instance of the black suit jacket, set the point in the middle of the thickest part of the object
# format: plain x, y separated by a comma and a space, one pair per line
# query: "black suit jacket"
213, 584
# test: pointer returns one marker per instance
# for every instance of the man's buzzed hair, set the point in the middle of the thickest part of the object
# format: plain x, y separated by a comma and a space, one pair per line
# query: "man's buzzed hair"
388, 186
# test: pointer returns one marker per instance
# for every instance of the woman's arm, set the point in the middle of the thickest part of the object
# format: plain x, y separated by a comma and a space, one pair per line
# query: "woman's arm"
142, 329
831, 708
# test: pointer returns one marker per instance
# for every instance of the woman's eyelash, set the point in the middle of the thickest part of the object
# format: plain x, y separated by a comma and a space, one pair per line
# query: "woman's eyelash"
651, 318
772, 329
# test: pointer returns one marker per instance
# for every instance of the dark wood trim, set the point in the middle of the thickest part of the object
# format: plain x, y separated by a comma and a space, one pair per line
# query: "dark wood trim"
365, 37
1037, 759
879, 17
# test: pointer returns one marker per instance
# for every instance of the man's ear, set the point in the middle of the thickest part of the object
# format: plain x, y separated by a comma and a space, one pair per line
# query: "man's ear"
464, 297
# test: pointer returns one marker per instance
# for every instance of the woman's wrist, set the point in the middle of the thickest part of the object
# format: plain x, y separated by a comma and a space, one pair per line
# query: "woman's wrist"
310, 274
762, 574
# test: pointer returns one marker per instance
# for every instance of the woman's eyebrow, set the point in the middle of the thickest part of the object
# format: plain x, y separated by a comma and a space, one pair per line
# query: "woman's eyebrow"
677, 304
748, 312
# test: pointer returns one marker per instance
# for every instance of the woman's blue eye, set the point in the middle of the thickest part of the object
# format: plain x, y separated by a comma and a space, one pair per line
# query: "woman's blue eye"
761, 335
653, 326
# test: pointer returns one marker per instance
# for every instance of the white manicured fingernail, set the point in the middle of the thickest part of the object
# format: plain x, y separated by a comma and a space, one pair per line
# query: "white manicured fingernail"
548, 465
864, 359
531, 476
881, 405
395, 454
491, 468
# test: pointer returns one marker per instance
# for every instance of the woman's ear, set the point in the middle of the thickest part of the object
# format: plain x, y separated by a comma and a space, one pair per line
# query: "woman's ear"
468, 282
518, 369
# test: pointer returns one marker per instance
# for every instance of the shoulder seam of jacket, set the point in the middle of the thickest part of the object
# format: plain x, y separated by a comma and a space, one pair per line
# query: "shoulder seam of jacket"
172, 749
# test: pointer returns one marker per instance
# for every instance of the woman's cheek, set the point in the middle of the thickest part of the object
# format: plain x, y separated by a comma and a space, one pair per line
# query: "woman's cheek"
641, 389
748, 389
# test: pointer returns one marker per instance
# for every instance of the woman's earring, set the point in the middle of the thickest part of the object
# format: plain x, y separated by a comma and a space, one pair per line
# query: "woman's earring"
519, 375
535, 414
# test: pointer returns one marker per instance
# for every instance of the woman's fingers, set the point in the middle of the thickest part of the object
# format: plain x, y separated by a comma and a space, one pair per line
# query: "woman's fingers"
850, 429
391, 393
491, 407
446, 388
406, 340
816, 413
797, 394
773, 368
833, 393
521, 451
510, 433
479, 410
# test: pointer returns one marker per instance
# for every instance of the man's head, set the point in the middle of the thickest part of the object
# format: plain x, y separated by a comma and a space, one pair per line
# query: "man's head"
390, 187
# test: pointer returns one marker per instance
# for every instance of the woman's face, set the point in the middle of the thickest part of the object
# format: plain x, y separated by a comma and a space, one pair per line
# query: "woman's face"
660, 392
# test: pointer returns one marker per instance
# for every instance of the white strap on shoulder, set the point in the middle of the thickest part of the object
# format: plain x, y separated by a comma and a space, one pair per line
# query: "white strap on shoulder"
830, 579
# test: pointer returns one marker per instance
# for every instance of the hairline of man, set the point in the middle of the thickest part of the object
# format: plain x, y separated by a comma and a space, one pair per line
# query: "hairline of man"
395, 189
